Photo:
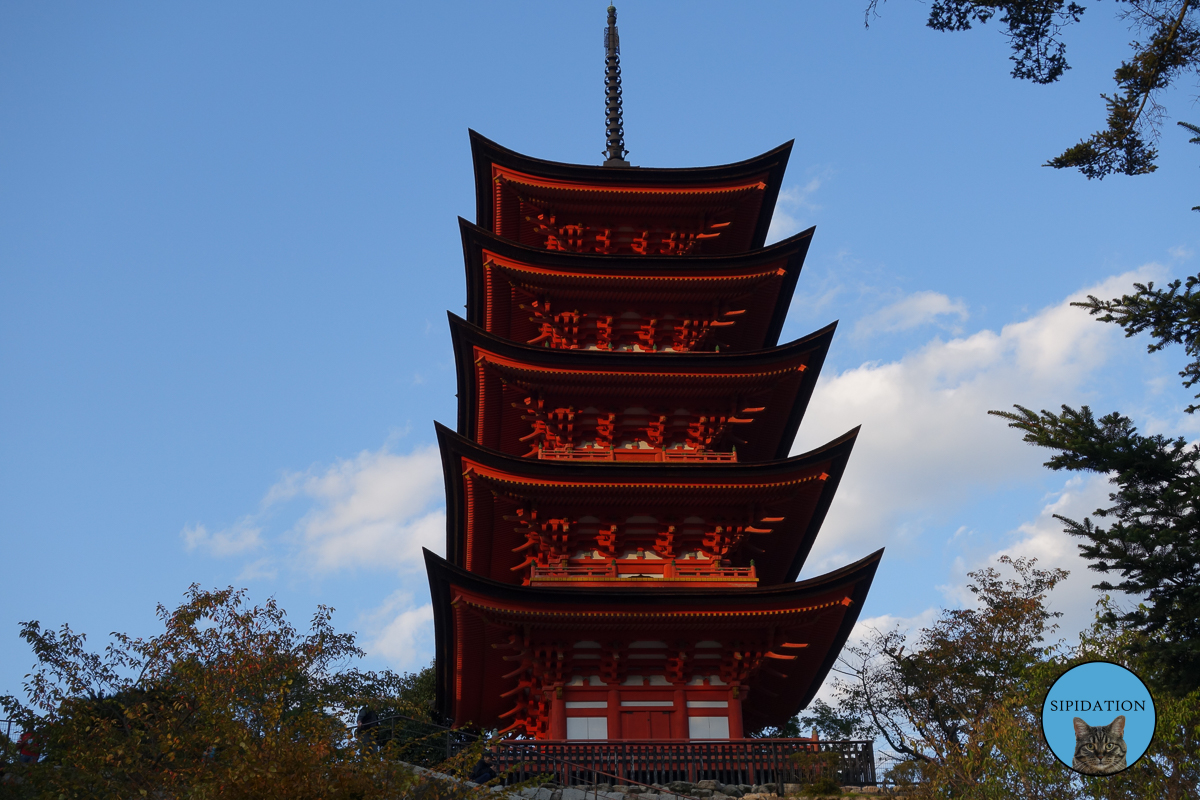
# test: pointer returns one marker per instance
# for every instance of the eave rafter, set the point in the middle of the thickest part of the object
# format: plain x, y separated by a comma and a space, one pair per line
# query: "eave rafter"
507, 516
523, 399
723, 209
519, 642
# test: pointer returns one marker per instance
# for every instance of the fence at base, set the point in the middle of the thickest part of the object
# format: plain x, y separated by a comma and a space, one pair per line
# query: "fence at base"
737, 761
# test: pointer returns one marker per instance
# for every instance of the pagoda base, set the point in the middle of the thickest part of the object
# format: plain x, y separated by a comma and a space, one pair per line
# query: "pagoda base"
738, 762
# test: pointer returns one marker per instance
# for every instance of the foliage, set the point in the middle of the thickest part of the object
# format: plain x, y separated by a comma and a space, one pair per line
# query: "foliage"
1034, 30
1194, 140
788, 730
822, 719
1153, 542
1171, 317
820, 771
955, 736
1171, 767
417, 691
951, 696
229, 701
833, 724
1166, 47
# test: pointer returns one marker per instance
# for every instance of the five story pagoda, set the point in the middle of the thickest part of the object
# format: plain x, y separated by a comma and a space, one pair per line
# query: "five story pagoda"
624, 525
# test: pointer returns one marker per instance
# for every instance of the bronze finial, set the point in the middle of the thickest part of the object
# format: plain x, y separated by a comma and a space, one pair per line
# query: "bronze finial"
614, 130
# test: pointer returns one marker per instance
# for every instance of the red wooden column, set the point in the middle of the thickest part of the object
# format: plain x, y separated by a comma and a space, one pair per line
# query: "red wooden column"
614, 714
735, 713
679, 716
558, 715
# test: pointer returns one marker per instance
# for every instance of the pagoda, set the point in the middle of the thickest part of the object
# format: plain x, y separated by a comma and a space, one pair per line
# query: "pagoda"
625, 526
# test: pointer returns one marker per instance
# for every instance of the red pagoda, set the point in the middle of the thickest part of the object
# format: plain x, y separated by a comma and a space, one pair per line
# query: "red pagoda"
624, 525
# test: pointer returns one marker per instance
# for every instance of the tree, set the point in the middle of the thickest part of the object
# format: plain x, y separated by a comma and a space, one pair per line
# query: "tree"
1171, 767
1166, 47
1194, 140
949, 697
228, 701
959, 701
1153, 541
832, 724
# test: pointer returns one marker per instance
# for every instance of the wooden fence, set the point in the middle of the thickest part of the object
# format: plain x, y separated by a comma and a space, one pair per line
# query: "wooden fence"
737, 761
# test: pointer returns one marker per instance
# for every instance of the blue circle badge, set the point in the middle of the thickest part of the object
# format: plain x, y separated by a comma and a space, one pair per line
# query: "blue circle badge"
1098, 718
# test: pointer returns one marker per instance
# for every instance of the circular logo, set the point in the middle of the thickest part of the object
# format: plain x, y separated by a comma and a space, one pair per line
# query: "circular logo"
1098, 718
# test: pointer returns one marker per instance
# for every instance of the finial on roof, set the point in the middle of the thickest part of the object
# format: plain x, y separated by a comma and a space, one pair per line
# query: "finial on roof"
614, 130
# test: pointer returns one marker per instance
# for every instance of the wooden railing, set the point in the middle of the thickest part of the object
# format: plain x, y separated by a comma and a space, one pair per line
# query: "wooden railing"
638, 454
632, 568
737, 761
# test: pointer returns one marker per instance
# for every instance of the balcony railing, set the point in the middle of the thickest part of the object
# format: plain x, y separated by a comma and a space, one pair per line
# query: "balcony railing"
633, 569
656, 454
584, 763
737, 761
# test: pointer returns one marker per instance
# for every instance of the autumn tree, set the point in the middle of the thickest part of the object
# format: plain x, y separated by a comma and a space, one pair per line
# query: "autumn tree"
955, 700
1165, 50
230, 701
1170, 768
959, 701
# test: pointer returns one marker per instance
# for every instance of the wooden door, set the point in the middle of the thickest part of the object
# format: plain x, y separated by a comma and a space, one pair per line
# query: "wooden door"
645, 724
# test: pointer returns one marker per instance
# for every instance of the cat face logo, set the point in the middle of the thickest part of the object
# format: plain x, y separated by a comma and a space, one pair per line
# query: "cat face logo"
1100, 749
1098, 718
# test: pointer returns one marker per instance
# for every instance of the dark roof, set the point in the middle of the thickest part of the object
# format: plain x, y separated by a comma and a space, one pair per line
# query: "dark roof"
772, 699
786, 548
617, 371
772, 164
790, 252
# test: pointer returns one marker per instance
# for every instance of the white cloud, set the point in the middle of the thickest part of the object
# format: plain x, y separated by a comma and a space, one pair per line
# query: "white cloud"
376, 510
262, 569
927, 442
401, 633
792, 201
913, 311
372, 511
886, 622
862, 629
241, 537
1042, 538
1045, 540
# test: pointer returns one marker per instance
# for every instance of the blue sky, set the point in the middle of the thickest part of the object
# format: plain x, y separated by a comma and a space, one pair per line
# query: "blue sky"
228, 240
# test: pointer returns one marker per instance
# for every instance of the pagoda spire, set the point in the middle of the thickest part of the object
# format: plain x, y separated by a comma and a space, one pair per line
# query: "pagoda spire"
614, 130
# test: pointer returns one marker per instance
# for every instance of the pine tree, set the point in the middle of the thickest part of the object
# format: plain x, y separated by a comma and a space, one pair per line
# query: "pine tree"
1153, 539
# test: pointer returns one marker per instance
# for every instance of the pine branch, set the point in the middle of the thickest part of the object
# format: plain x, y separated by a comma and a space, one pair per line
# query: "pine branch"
1121, 148
1153, 543
1170, 316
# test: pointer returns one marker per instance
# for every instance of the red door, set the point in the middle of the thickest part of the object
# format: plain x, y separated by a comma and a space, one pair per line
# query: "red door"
645, 724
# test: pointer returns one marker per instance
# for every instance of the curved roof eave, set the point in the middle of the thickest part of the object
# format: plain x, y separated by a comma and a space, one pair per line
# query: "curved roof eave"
857, 577
464, 334
485, 152
439, 569
793, 249
442, 575
453, 447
